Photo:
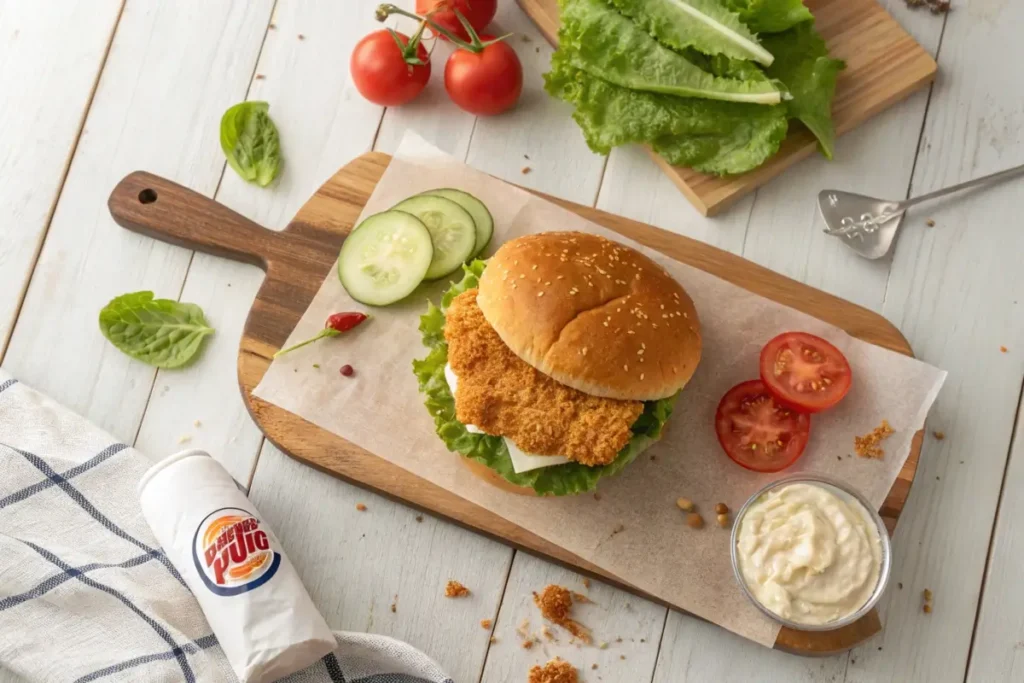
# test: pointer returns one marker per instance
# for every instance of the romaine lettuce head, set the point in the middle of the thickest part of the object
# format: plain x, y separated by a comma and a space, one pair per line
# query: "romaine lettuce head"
557, 480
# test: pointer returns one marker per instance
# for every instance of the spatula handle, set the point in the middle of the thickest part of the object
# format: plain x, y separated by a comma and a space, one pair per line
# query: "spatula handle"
156, 207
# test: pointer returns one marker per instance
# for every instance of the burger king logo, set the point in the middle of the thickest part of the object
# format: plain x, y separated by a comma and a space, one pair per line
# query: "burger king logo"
233, 553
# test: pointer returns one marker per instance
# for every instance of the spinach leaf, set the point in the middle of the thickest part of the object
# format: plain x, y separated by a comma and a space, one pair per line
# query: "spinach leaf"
159, 332
249, 139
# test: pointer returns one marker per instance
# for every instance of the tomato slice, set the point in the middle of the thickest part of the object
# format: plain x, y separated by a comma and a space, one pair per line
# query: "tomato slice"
757, 432
805, 372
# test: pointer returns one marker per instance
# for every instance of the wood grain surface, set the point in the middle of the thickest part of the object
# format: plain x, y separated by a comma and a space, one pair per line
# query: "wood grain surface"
884, 64
296, 261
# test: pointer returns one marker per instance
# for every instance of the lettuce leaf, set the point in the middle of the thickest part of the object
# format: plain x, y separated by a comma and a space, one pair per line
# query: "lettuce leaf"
803, 65
557, 480
597, 39
705, 25
709, 136
770, 16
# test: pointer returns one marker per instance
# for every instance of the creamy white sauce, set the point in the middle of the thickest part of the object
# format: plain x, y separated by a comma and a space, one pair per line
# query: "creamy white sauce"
521, 460
809, 553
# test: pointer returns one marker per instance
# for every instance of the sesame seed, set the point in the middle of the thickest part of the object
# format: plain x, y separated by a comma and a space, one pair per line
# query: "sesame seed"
641, 375
547, 283
515, 263
630, 332
638, 276
560, 277
584, 350
533, 267
639, 352
625, 367
654, 325
522, 277
664, 315
514, 286
663, 307
540, 294
605, 323
685, 316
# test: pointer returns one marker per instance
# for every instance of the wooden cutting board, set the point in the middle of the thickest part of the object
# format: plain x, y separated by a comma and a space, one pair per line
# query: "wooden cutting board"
884, 64
297, 260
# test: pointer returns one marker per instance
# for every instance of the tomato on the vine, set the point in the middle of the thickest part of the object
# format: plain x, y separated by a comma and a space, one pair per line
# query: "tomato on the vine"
389, 68
486, 82
479, 13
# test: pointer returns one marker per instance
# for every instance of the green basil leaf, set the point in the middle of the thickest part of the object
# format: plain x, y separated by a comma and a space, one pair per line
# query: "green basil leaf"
249, 139
159, 332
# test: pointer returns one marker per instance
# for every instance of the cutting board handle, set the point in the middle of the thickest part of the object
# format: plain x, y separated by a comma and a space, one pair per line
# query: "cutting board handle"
158, 208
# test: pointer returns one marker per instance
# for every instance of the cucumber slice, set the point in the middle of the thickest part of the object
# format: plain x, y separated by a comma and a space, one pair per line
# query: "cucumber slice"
385, 258
476, 208
452, 231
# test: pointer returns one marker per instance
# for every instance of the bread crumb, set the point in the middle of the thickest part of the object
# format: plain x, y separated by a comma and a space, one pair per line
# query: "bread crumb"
939, 436
493, 640
555, 671
1003, 349
622, 656
580, 598
394, 605
597, 496
485, 624
927, 608
867, 446
184, 438
546, 632
527, 644
197, 424
454, 589
260, 77
360, 507
525, 170
930, 223
419, 518
586, 583
302, 37
593, 666
555, 603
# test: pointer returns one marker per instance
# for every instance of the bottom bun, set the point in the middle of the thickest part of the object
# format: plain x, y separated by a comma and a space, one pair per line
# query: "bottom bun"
492, 477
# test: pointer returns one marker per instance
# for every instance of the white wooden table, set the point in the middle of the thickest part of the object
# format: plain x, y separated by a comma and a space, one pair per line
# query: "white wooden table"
94, 89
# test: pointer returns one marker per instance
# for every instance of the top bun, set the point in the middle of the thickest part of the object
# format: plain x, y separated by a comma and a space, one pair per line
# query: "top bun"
592, 314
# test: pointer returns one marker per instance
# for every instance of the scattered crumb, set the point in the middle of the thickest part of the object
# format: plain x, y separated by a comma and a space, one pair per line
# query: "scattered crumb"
272, 26
597, 496
546, 632
618, 529
685, 504
493, 640
930, 223
1003, 349
525, 38
867, 445
419, 518
302, 37
260, 77
485, 624
197, 424
184, 438
927, 594
927, 608
879, 648
454, 589
694, 520
939, 436
527, 644
593, 666
603, 645
525, 170
555, 603
394, 605
937, 478
622, 656
643, 640
619, 639
555, 671
900, 585
537, 50
526, 156
316, 366
586, 583
360, 507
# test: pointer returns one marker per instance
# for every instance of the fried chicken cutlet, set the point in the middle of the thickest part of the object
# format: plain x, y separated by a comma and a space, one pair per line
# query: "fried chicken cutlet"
504, 396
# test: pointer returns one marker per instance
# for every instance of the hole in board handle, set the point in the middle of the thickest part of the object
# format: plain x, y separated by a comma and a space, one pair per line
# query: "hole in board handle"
147, 196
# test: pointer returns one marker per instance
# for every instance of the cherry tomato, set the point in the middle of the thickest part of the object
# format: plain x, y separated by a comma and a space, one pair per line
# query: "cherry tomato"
805, 372
757, 432
383, 74
486, 82
478, 13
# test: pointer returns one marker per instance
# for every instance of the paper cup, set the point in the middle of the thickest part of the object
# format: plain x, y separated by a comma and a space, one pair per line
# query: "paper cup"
258, 608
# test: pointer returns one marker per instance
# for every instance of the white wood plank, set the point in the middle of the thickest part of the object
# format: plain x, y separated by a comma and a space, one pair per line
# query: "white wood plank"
323, 124
629, 626
953, 294
172, 70
354, 563
50, 57
998, 652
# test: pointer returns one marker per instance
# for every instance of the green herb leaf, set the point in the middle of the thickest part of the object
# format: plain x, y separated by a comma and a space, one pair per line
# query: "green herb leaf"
705, 25
557, 480
160, 332
600, 41
770, 16
803, 65
709, 136
249, 139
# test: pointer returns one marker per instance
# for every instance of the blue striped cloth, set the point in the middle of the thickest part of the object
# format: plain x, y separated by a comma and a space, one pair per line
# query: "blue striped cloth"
85, 592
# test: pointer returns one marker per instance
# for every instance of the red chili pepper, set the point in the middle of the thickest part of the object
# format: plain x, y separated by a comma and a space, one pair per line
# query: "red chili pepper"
335, 325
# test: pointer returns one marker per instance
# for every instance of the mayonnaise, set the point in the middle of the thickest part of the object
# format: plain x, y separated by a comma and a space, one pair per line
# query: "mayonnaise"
809, 553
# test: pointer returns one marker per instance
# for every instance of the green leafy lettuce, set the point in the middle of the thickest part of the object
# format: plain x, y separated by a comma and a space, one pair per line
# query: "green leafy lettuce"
557, 480
803, 65
705, 25
709, 136
600, 41
249, 139
160, 332
770, 16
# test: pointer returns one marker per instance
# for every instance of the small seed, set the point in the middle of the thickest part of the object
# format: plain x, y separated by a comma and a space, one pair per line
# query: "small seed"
723, 520
685, 504
694, 520
722, 509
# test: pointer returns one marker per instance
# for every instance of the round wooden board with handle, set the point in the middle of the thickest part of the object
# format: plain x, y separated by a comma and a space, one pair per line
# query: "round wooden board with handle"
298, 258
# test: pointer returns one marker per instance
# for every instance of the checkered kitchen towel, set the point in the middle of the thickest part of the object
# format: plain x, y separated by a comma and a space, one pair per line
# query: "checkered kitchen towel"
86, 594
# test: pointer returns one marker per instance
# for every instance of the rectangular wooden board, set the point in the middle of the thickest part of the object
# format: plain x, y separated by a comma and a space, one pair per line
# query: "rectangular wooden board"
884, 64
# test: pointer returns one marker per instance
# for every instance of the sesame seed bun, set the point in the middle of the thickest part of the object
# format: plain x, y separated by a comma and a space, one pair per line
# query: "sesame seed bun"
592, 314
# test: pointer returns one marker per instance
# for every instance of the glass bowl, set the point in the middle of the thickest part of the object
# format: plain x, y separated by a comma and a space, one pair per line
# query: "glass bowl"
843, 492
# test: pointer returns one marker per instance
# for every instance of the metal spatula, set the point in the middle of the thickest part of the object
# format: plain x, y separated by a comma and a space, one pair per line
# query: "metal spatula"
869, 225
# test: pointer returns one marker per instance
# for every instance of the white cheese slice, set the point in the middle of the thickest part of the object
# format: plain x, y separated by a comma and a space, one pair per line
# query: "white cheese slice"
521, 460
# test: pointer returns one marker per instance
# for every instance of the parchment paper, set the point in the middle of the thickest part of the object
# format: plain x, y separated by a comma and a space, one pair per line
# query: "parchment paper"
381, 410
